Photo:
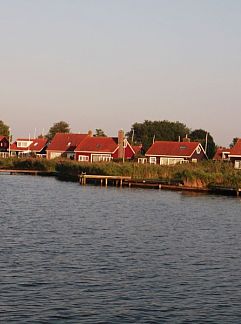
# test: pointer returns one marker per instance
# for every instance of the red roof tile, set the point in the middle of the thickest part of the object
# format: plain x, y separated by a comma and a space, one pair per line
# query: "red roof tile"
219, 153
37, 144
98, 144
66, 142
168, 148
137, 148
236, 150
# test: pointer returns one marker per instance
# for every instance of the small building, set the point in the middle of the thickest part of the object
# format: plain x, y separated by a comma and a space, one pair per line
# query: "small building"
64, 145
235, 154
222, 154
97, 149
170, 153
23, 147
4, 146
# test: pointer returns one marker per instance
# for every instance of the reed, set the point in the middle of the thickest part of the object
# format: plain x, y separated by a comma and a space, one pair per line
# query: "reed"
195, 174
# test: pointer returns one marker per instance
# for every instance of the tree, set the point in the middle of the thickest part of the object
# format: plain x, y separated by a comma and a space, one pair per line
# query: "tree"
59, 127
200, 135
4, 129
234, 141
99, 133
145, 133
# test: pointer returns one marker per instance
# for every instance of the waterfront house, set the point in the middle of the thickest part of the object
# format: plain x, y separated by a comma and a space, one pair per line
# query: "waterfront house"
169, 153
96, 149
235, 154
23, 147
4, 145
222, 154
64, 145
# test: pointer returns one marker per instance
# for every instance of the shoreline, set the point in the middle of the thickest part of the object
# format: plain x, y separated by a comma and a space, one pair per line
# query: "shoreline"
128, 181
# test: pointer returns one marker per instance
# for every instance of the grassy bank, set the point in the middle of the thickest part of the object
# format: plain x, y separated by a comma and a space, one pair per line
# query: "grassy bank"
196, 175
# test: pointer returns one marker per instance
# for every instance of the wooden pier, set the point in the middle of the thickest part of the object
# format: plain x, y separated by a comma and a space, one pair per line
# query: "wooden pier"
27, 172
103, 179
127, 181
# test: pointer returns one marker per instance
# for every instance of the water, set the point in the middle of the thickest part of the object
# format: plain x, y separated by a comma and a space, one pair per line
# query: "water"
72, 254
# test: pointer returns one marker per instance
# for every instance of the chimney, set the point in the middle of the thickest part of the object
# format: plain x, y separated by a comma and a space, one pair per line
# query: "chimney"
90, 133
186, 139
121, 138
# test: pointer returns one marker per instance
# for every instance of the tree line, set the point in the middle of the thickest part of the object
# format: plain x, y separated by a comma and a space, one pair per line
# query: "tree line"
144, 133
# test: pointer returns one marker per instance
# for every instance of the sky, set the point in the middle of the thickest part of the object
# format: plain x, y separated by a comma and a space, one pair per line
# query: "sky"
110, 63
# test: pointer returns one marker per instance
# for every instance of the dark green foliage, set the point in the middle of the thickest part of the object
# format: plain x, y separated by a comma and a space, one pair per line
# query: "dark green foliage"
199, 135
60, 127
28, 164
234, 141
4, 129
204, 173
99, 133
145, 133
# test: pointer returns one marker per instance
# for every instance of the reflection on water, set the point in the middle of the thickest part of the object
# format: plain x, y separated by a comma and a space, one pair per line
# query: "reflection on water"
72, 254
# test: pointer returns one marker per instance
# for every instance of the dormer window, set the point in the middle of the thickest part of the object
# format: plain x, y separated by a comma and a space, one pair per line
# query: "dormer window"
23, 143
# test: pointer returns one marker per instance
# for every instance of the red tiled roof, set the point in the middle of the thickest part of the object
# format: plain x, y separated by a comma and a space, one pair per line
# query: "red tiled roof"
66, 142
236, 150
168, 148
98, 144
37, 144
137, 148
219, 153
2, 137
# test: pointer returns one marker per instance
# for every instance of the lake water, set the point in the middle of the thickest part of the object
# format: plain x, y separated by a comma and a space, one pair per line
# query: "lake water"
73, 254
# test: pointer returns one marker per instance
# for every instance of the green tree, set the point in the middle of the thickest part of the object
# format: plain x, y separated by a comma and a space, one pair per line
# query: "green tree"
200, 135
4, 129
99, 133
234, 141
59, 127
144, 133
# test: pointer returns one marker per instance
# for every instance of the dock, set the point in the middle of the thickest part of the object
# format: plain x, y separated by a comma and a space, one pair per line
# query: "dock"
27, 172
127, 181
103, 179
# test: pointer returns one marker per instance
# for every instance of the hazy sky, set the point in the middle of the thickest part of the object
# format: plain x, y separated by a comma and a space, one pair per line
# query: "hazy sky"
109, 63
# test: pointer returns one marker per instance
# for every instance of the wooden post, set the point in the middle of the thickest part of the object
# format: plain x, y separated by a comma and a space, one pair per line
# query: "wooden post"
106, 182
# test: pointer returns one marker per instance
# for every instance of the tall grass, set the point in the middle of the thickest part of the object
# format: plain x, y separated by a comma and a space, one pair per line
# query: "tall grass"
193, 174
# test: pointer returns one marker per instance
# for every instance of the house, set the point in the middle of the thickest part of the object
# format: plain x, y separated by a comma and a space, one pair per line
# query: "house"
96, 149
235, 154
27, 147
169, 153
222, 154
64, 145
4, 145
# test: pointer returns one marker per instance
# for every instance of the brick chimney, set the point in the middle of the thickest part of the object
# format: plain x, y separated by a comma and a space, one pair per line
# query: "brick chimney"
121, 138
186, 139
90, 133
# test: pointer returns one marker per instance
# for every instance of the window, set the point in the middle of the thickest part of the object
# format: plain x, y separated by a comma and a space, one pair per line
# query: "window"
198, 150
152, 160
83, 158
101, 157
23, 143
142, 160
54, 155
237, 164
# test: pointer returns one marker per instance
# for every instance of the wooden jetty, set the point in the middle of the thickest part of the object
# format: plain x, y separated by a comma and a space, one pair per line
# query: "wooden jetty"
117, 180
127, 181
27, 172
